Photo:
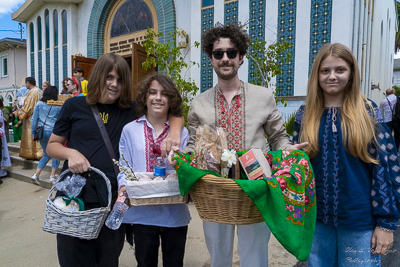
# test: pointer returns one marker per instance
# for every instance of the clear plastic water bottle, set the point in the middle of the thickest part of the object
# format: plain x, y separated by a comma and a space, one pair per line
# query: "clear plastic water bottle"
159, 168
114, 219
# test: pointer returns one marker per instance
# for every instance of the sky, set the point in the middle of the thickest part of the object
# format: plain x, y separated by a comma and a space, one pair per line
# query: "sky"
8, 27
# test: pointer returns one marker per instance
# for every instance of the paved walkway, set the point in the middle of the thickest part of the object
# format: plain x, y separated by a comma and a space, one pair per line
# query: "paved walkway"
23, 243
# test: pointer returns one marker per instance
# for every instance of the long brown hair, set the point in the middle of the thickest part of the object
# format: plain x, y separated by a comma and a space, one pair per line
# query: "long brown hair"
97, 89
358, 129
64, 90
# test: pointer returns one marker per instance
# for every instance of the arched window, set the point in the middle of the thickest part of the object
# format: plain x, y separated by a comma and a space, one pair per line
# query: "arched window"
55, 36
39, 56
55, 27
32, 37
131, 17
47, 43
64, 27
9, 101
47, 27
64, 43
32, 55
39, 28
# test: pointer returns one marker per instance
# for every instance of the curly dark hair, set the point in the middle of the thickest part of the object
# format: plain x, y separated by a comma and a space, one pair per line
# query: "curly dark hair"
233, 31
172, 92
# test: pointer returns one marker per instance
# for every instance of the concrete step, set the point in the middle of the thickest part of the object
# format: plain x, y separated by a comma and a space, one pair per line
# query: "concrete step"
30, 164
22, 169
24, 174
13, 147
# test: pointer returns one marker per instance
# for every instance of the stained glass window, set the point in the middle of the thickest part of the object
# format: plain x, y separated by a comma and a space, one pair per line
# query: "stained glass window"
131, 17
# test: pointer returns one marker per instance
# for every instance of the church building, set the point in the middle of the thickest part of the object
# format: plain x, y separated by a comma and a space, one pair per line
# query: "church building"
62, 34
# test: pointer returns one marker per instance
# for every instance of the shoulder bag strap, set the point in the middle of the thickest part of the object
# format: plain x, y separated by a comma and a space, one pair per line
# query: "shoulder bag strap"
47, 116
26, 93
390, 105
105, 136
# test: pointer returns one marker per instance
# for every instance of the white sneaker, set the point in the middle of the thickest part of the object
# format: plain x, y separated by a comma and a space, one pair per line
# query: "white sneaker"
52, 179
35, 178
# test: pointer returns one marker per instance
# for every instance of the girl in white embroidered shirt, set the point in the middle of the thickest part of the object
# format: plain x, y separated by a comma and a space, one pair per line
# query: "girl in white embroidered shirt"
140, 145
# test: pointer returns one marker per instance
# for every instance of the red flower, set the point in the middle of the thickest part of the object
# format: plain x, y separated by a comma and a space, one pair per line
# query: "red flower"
269, 158
307, 199
282, 183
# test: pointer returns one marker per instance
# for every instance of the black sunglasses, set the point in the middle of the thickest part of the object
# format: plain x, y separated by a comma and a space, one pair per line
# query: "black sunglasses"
219, 54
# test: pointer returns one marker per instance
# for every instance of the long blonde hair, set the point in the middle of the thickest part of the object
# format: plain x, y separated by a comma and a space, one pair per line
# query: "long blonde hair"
358, 129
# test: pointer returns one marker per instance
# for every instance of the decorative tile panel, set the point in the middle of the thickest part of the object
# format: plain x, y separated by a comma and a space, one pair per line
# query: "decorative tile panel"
65, 61
56, 69
48, 65
286, 31
231, 11
256, 29
320, 28
40, 70
32, 65
207, 21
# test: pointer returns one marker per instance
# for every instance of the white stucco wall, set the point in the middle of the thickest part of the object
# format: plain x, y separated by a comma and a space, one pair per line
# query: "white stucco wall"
16, 61
351, 26
384, 27
186, 21
302, 48
77, 24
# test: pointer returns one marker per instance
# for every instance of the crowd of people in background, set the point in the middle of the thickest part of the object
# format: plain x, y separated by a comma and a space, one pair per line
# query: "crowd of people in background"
29, 110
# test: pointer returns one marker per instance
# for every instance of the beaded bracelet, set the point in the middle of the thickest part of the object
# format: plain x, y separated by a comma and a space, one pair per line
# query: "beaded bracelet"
386, 230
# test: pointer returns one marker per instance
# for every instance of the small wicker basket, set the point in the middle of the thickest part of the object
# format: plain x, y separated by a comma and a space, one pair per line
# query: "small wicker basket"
82, 224
178, 199
222, 200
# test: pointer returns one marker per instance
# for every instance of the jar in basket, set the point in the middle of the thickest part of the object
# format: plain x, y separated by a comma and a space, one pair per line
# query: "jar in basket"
159, 168
114, 219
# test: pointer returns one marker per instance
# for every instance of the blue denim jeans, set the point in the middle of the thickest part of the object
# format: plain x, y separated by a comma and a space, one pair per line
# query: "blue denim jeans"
341, 247
43, 161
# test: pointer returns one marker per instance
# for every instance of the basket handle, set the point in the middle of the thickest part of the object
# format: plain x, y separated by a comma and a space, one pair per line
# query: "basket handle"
60, 177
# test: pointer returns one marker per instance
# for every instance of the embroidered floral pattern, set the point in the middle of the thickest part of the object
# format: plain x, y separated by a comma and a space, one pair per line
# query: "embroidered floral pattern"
296, 180
154, 146
293, 175
385, 184
231, 118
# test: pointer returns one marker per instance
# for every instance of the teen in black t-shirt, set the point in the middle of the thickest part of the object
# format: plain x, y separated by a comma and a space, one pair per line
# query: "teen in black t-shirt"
109, 88
76, 122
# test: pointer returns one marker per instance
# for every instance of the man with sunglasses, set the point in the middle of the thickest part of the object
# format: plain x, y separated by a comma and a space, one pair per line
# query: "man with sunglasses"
247, 113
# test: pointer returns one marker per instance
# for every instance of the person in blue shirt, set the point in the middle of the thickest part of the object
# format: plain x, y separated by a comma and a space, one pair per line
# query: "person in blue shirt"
21, 95
355, 161
46, 115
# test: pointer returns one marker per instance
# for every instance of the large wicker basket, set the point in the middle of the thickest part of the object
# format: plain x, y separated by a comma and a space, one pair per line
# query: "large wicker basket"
82, 224
222, 200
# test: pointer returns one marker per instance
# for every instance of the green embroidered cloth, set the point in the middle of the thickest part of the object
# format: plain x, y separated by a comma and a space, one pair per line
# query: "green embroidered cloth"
286, 200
